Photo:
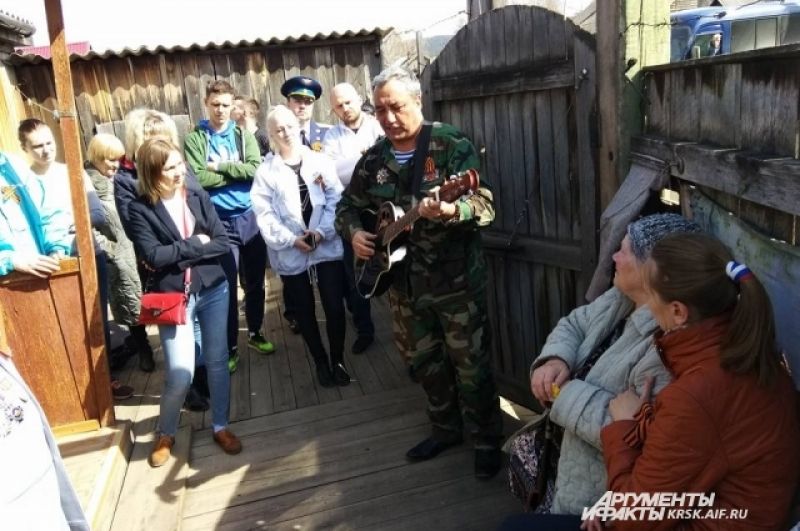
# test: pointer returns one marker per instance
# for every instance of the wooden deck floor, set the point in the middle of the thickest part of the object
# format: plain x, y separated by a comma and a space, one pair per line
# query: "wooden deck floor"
313, 458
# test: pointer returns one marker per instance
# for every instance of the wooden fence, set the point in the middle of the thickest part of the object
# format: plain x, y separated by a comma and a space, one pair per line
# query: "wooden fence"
727, 128
173, 81
732, 124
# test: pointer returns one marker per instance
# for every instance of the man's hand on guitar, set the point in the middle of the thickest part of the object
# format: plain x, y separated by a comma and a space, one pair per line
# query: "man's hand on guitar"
430, 208
363, 244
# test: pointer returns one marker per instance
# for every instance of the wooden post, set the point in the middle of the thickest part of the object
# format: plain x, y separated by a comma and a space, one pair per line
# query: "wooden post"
609, 80
630, 35
72, 154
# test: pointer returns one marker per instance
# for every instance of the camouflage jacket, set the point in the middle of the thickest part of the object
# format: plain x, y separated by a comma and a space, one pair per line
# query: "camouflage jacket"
443, 258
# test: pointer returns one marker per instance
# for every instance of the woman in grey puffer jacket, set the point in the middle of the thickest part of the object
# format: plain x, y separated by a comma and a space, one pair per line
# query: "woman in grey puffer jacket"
125, 288
618, 328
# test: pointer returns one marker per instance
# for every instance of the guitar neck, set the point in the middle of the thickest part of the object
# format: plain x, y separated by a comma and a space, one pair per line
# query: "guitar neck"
391, 231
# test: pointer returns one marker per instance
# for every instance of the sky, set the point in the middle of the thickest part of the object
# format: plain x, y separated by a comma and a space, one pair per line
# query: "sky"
127, 23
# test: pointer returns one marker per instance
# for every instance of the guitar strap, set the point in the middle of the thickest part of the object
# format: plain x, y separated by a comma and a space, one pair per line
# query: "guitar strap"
420, 154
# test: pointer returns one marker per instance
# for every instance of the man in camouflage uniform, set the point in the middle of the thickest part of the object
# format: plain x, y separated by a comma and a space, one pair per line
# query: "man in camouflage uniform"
437, 296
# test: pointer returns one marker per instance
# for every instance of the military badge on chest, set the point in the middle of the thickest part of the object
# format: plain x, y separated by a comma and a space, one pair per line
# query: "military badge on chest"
430, 172
12, 411
317, 146
382, 176
9, 192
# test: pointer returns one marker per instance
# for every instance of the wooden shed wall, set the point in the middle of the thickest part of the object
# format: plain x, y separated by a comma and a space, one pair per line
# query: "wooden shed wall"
174, 82
734, 122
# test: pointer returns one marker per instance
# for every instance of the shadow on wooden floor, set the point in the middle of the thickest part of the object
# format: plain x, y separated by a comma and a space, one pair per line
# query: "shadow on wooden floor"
313, 458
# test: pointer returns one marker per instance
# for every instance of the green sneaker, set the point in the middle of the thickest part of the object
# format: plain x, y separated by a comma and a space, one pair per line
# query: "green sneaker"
233, 360
258, 342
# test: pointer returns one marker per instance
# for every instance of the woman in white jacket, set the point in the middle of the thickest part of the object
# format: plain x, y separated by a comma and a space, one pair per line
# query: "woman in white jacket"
294, 196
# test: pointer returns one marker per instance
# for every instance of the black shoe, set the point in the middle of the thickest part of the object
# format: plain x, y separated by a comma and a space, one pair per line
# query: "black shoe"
361, 344
146, 361
488, 463
340, 375
118, 358
194, 401
200, 381
430, 448
324, 375
294, 326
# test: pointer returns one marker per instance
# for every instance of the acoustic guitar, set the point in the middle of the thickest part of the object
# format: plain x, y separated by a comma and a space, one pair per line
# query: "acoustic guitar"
392, 227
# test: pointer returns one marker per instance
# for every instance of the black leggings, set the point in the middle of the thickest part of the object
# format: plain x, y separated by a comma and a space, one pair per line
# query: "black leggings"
330, 281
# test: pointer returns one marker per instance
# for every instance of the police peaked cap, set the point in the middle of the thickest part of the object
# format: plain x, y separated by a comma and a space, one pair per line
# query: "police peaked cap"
302, 86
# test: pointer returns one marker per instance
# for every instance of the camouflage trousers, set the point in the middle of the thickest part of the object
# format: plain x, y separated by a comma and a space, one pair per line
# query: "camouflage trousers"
446, 349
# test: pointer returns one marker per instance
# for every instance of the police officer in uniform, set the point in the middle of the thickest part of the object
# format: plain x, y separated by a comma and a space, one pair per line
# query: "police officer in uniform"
301, 93
437, 297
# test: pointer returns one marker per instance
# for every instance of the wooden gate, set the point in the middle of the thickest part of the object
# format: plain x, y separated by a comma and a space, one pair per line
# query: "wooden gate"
520, 82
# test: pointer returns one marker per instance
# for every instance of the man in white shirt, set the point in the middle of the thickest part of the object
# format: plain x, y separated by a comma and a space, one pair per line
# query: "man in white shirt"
345, 143
356, 132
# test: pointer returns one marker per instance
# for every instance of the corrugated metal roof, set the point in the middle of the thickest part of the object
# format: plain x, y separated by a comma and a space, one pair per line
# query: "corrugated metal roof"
199, 47
76, 48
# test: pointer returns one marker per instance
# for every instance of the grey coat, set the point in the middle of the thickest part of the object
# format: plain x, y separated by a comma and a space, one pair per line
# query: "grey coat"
581, 407
123, 278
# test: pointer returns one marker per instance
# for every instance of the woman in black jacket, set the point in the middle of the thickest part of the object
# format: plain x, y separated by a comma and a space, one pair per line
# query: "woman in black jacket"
175, 228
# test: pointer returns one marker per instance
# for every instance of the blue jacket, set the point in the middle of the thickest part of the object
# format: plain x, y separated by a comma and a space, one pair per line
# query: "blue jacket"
28, 223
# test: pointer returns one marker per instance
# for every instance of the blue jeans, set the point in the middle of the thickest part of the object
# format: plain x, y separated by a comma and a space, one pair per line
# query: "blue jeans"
210, 308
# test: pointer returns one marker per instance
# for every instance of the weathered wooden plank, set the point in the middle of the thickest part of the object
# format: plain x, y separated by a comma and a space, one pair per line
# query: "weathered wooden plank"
770, 182
768, 97
333, 456
325, 76
561, 156
257, 78
147, 82
586, 182
540, 52
238, 75
172, 80
293, 427
275, 75
544, 137
120, 79
559, 36
684, 108
656, 88
137, 507
194, 87
506, 81
719, 105
354, 55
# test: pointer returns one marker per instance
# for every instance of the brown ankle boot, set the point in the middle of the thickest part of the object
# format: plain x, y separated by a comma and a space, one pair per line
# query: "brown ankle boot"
161, 450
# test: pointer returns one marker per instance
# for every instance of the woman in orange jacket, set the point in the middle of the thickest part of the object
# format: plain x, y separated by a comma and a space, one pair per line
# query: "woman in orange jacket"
726, 427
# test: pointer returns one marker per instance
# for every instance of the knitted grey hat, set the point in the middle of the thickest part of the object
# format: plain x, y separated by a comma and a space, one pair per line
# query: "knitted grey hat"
645, 232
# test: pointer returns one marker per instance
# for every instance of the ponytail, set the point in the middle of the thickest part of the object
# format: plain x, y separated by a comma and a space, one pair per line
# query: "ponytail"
750, 343
697, 270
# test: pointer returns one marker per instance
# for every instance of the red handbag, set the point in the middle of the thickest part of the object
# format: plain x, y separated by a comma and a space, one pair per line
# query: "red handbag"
163, 309
167, 308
